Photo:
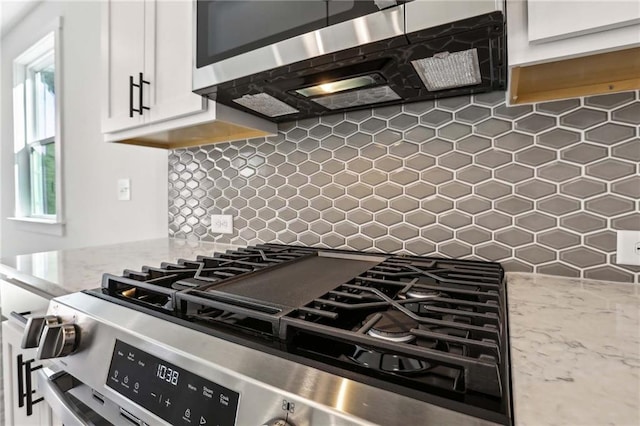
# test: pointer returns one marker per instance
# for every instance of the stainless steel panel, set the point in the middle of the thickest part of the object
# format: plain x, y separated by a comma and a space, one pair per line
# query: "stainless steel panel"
423, 14
263, 380
366, 29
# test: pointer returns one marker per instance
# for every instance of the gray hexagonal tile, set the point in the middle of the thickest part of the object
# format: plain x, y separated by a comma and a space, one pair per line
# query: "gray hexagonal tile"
437, 175
514, 237
359, 140
345, 203
403, 122
493, 251
558, 269
331, 191
373, 203
454, 131
493, 220
630, 222
419, 247
583, 118
512, 112
359, 216
629, 187
535, 123
473, 205
388, 163
454, 190
454, 103
436, 147
582, 257
417, 108
490, 98
493, 158
404, 204
512, 265
611, 169
609, 101
536, 221
492, 127
609, 205
359, 242
387, 137
584, 153
558, 107
454, 219
454, 249
608, 273
404, 232
472, 114
628, 150
358, 116
514, 141
388, 190
473, 235
420, 190
472, 144
403, 176
403, 149
583, 188
419, 134
345, 178
359, 165
436, 118
373, 177
535, 156
437, 204
558, 205
604, 241
419, 162
420, 218
535, 254
387, 111
454, 160
582, 222
558, 239
610, 133
473, 174
535, 189
373, 125
558, 138
388, 244
559, 171
514, 173
332, 240
493, 189
513, 205
628, 114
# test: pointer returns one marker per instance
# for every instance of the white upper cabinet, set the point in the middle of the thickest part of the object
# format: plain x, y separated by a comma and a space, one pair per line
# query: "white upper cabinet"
542, 30
147, 49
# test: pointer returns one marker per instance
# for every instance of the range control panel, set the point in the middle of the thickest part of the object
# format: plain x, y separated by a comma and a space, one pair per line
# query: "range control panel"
178, 396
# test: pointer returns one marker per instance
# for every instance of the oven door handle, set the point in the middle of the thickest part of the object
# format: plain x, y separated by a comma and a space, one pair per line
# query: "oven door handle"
53, 385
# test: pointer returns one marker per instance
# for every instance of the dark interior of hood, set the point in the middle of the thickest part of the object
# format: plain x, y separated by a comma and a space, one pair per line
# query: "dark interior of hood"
387, 61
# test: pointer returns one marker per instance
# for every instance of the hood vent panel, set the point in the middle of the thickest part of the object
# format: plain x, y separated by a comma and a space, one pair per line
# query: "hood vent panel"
447, 70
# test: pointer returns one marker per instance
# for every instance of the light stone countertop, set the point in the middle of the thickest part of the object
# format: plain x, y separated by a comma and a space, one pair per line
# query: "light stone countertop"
575, 344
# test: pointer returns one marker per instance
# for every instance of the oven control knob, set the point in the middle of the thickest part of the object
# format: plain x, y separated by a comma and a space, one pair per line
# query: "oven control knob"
34, 328
277, 422
58, 340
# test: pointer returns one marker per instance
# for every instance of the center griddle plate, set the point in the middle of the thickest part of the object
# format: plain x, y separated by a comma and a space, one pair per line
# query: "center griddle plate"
295, 284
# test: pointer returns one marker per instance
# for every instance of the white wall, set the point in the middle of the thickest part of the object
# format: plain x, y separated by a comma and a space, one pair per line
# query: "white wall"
91, 167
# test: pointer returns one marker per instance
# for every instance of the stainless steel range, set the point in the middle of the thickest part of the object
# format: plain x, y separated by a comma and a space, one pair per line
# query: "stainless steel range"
282, 335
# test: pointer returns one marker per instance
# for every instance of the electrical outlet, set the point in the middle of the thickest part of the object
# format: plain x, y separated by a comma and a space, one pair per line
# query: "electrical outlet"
124, 189
222, 223
628, 250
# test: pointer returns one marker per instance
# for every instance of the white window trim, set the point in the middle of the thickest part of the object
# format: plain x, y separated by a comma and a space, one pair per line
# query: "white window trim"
49, 224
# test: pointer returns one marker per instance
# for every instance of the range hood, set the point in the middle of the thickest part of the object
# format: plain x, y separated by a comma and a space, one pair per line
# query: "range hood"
414, 51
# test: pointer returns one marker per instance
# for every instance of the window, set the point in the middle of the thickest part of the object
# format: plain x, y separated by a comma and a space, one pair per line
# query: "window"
36, 132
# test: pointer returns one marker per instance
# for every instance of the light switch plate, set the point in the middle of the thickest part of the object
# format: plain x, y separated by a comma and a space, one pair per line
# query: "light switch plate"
222, 223
628, 248
124, 189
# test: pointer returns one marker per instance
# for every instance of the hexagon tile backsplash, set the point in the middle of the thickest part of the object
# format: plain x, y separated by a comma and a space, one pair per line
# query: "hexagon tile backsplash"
538, 188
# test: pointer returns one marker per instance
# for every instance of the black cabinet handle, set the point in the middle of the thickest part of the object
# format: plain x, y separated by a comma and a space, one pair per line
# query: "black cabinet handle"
140, 86
25, 386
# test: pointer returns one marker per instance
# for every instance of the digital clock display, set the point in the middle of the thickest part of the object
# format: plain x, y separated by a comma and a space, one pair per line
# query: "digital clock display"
173, 393
167, 374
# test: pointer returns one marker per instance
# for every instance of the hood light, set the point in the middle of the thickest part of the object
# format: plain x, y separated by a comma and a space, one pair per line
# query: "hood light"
368, 96
337, 86
266, 105
446, 70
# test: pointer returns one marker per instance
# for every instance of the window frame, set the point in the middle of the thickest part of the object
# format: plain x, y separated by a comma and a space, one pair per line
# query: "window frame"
36, 56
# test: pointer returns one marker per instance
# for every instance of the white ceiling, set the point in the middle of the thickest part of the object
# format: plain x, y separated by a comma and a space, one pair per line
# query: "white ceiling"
11, 11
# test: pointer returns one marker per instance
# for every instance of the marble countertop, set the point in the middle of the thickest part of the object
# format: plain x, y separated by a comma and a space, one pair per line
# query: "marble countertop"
575, 344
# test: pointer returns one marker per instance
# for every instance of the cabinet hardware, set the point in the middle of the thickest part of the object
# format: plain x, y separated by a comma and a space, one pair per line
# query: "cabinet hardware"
25, 386
140, 86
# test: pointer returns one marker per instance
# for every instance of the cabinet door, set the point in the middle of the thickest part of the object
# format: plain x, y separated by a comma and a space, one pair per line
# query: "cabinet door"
14, 415
122, 57
168, 59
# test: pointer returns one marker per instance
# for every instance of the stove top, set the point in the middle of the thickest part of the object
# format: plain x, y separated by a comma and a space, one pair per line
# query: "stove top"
431, 329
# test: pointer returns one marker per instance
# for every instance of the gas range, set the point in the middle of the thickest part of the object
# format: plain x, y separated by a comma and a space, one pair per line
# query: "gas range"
299, 335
